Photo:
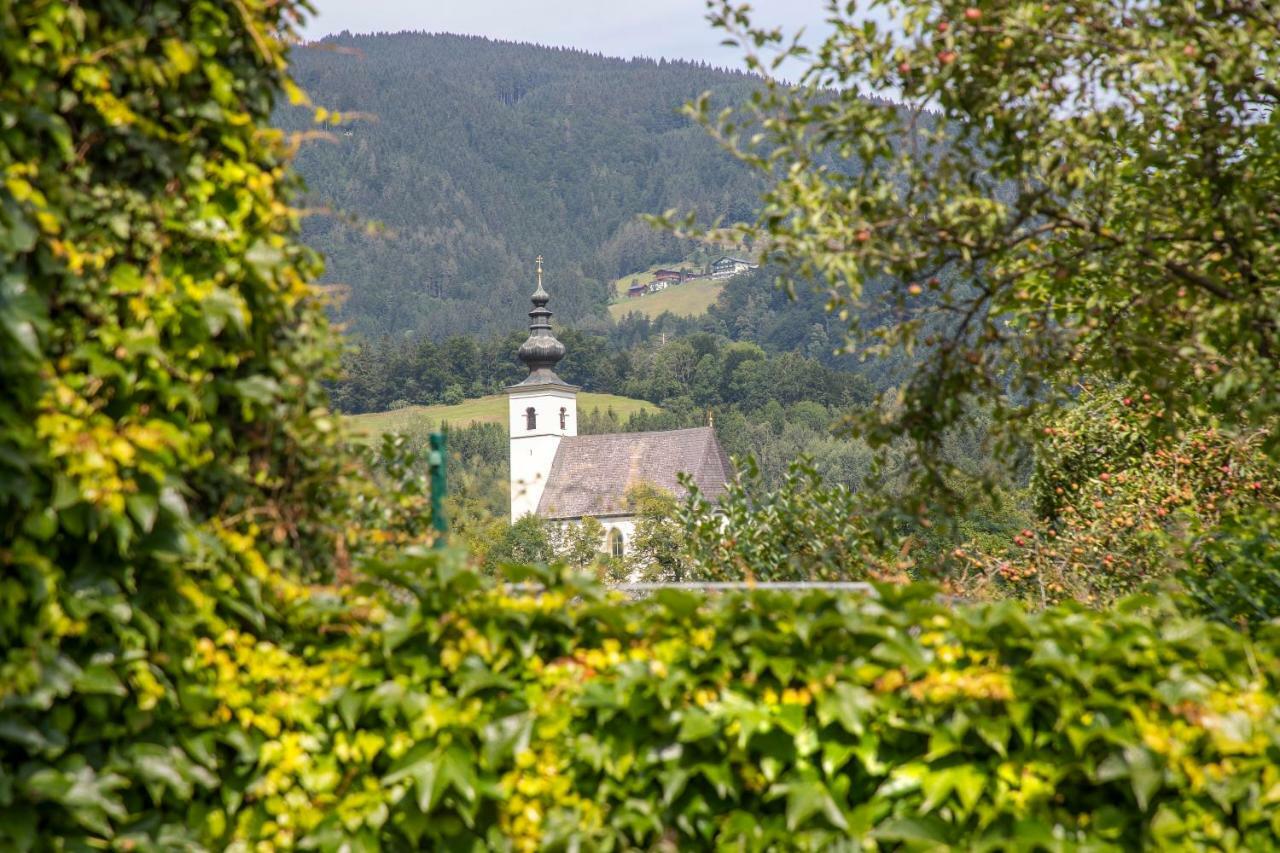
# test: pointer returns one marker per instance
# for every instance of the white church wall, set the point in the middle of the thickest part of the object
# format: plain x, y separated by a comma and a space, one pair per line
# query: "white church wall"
533, 451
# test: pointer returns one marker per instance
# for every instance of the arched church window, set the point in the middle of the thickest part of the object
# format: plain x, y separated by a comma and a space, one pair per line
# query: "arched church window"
563, 416
616, 543
530, 418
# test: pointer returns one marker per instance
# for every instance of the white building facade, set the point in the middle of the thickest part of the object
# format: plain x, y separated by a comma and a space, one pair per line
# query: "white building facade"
728, 267
539, 417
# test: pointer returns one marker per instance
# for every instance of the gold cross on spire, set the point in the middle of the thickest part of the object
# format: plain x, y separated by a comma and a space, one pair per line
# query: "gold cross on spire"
539, 270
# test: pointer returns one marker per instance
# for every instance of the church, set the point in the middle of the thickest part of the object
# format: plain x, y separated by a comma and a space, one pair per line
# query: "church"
561, 476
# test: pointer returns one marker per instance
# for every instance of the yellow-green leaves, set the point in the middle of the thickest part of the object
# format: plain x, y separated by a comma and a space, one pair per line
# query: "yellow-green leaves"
892, 715
167, 464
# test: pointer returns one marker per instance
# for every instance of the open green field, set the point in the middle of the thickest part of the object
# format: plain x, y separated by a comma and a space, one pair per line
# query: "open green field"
684, 300
485, 410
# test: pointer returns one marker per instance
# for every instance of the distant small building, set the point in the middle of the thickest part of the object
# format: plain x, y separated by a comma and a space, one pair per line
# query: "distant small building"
637, 289
658, 284
728, 267
672, 276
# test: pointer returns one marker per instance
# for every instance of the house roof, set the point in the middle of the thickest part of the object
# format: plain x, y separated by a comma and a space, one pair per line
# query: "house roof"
735, 260
591, 474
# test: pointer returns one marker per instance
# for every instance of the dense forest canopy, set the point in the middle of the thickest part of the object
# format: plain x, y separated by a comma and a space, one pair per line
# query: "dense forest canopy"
472, 155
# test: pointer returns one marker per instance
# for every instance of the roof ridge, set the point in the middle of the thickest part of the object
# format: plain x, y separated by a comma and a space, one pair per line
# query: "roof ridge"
642, 432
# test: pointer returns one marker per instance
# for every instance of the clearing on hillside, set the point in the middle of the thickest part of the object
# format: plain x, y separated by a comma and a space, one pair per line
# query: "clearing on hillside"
684, 300
689, 299
483, 410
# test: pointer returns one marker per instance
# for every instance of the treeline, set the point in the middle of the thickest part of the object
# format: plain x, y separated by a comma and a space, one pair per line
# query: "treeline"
649, 358
703, 370
752, 307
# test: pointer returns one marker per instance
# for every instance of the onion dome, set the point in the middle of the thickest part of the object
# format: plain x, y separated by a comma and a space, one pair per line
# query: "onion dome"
541, 352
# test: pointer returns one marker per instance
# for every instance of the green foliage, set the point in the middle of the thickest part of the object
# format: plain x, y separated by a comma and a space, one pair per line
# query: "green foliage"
716, 372
523, 543
476, 716
657, 550
1080, 188
1105, 432
1122, 506
805, 529
1236, 574
579, 545
168, 468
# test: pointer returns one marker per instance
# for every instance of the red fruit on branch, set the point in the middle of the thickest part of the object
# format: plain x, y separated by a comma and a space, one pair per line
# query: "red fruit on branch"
947, 57
943, 26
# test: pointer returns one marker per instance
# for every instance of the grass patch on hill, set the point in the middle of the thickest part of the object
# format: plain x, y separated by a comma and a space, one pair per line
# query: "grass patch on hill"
684, 300
491, 409
620, 285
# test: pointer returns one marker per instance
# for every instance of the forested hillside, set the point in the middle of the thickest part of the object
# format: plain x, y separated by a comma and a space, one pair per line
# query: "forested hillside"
476, 155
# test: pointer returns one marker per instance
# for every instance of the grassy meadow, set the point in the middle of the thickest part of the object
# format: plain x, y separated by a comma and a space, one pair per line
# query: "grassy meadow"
684, 300
491, 409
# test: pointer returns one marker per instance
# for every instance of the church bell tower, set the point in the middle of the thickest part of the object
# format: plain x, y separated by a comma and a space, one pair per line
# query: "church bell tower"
541, 410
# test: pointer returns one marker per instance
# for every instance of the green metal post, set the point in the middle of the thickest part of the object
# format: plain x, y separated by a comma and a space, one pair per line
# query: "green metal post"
438, 460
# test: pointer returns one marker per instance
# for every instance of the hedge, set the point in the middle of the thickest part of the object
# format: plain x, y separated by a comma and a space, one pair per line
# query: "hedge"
491, 717
481, 715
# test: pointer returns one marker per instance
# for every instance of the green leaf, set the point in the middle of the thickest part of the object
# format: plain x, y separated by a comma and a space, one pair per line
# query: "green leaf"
806, 799
100, 679
1145, 774
936, 786
458, 768
928, 831
847, 704
41, 524
422, 764
696, 725
144, 508
264, 258
262, 390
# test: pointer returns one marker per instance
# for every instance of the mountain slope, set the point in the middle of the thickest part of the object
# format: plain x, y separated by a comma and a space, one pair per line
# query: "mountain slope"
480, 155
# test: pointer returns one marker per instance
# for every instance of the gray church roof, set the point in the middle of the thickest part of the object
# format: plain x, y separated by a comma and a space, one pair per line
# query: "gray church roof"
591, 474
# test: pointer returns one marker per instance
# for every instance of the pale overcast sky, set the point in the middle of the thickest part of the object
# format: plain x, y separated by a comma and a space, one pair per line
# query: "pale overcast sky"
675, 29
